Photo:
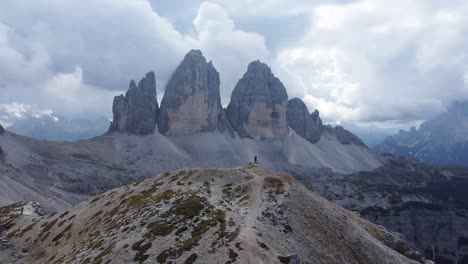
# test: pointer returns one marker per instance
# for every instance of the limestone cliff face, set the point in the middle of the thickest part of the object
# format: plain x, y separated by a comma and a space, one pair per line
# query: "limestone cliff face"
306, 125
136, 112
258, 104
192, 102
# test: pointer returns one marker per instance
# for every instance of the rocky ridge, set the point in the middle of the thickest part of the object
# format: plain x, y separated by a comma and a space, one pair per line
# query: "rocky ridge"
259, 106
243, 215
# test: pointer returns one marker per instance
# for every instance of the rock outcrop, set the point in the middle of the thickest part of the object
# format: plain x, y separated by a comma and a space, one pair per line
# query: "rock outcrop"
307, 125
192, 102
258, 104
137, 111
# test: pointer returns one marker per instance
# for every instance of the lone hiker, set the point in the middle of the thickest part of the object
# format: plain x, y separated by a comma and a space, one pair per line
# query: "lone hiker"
255, 159
22, 210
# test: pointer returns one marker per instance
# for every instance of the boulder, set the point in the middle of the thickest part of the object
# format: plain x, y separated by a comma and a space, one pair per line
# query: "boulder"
192, 101
258, 104
137, 111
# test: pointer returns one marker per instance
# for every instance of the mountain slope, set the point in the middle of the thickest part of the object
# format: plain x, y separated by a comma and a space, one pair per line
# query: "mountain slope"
67, 172
429, 206
440, 141
239, 215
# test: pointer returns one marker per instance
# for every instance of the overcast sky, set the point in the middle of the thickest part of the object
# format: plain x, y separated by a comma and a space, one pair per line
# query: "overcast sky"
361, 61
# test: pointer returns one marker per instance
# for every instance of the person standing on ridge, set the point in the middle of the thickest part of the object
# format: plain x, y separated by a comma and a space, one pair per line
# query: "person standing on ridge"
255, 159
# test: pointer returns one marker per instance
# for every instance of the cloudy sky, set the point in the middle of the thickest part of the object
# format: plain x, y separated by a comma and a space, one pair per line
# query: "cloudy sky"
377, 61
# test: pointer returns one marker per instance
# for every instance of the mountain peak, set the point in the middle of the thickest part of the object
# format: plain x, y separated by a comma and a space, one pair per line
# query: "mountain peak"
194, 53
192, 101
136, 112
257, 67
307, 125
258, 104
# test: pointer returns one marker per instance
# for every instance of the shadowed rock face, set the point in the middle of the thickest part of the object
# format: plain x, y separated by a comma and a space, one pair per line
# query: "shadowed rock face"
306, 125
2, 130
136, 112
258, 104
192, 101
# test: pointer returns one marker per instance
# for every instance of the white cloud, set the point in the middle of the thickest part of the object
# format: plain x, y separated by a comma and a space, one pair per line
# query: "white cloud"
13, 111
364, 60
112, 41
69, 89
229, 49
377, 61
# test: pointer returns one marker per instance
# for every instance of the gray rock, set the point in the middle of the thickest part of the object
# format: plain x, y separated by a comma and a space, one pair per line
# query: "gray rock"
306, 125
258, 104
192, 101
2, 130
316, 119
136, 112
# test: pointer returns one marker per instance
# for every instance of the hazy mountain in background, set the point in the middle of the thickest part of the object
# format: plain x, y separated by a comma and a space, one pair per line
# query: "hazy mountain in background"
441, 141
371, 135
56, 128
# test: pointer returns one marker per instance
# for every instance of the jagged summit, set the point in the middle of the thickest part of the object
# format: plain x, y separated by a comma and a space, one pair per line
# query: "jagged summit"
258, 104
240, 215
194, 53
307, 125
136, 112
192, 101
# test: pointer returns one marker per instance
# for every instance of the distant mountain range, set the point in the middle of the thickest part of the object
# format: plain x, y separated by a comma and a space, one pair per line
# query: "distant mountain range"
56, 128
371, 135
440, 141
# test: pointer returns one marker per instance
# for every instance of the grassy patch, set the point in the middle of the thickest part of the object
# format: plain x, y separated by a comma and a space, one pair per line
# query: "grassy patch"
159, 229
48, 225
105, 252
275, 184
191, 259
95, 199
188, 207
244, 199
57, 237
26, 229
166, 195
64, 214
